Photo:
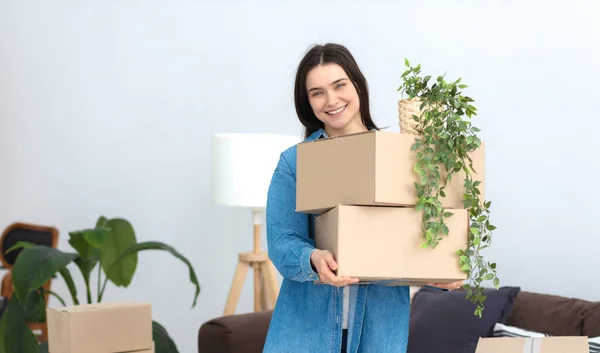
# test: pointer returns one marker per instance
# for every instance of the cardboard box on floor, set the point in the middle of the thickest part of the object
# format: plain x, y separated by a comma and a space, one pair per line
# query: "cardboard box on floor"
371, 168
565, 344
109, 327
383, 244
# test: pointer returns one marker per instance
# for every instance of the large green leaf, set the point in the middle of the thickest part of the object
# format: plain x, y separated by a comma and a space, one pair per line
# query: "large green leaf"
87, 260
154, 245
66, 275
120, 237
2, 331
35, 307
35, 265
162, 342
44, 347
17, 336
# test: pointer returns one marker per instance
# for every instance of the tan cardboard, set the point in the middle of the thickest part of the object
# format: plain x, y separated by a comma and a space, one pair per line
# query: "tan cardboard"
151, 350
109, 327
375, 243
562, 344
371, 168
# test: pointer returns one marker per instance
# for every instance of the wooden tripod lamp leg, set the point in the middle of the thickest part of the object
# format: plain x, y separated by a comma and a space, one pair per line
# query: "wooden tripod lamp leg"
266, 288
256, 265
237, 284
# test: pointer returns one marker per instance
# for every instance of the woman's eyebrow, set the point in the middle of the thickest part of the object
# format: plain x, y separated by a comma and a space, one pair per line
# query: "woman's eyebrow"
333, 83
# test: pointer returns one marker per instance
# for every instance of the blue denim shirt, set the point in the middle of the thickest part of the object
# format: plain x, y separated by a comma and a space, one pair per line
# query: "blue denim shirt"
308, 316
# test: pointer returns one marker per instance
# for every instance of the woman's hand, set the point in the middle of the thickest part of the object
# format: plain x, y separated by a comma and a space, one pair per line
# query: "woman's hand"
325, 264
449, 286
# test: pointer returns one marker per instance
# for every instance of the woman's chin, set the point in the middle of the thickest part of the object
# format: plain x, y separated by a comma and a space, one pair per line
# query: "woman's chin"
336, 123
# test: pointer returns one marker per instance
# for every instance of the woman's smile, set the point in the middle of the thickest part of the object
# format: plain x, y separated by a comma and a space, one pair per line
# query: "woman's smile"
337, 112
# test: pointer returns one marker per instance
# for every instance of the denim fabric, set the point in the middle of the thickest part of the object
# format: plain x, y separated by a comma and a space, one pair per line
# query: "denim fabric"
308, 316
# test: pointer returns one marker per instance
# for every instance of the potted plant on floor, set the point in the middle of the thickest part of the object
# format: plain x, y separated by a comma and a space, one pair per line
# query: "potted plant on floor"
110, 246
439, 116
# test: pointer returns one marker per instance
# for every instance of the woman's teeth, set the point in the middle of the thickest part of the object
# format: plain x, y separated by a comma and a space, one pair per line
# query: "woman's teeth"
334, 112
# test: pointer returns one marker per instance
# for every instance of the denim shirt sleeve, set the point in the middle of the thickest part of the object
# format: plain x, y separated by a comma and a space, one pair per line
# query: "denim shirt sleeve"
289, 244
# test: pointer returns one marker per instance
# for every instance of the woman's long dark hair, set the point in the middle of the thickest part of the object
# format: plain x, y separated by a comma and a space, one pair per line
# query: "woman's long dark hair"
327, 54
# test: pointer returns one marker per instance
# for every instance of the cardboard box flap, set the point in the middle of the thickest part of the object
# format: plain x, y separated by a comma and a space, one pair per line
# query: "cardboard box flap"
148, 350
558, 344
100, 306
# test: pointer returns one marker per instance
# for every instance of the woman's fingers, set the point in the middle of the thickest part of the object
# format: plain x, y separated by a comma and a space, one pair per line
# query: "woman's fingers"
326, 268
449, 286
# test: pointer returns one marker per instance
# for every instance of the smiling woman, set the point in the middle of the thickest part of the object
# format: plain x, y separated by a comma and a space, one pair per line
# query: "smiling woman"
331, 92
332, 99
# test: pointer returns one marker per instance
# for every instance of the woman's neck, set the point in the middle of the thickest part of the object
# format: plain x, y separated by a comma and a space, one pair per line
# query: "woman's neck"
346, 130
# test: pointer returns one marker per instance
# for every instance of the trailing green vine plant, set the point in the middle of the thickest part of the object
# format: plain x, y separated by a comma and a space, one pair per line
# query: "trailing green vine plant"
444, 142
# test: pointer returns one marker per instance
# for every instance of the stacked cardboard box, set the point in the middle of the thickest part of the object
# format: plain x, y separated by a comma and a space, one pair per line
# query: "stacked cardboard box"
109, 327
565, 344
361, 187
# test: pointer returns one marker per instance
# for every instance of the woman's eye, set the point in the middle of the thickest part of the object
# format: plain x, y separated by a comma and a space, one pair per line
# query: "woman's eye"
315, 94
340, 85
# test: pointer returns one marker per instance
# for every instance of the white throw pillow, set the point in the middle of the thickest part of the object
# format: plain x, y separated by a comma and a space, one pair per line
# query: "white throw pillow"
501, 330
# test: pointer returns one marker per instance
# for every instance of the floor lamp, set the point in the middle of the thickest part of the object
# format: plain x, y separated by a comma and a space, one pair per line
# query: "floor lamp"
242, 168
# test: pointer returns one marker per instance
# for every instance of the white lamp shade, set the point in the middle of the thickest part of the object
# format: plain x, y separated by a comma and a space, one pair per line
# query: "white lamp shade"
243, 165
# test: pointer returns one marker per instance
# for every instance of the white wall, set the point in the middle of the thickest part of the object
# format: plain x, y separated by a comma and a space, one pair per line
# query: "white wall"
108, 108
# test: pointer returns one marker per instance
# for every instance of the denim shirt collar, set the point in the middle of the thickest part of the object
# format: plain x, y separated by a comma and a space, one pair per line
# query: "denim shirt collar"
320, 133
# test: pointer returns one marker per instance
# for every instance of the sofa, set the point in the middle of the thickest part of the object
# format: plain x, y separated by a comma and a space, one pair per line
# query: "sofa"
439, 321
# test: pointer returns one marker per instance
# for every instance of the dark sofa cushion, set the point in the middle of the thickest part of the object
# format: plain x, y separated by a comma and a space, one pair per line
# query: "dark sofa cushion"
235, 333
551, 314
591, 323
442, 322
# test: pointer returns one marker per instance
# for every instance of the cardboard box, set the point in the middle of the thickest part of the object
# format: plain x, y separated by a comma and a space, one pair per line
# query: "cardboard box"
383, 244
109, 327
564, 344
151, 350
371, 168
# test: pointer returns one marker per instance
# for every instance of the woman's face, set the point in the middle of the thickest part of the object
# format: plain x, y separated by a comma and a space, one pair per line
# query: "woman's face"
334, 100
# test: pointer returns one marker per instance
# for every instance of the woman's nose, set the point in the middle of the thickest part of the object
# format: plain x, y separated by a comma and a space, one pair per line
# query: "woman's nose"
332, 99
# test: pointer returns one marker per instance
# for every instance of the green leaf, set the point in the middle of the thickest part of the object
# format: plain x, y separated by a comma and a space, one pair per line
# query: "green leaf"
17, 336
44, 347
35, 307
406, 62
153, 245
496, 282
448, 214
35, 266
120, 237
88, 255
474, 230
162, 341
66, 275
2, 332
79, 243
488, 277
95, 237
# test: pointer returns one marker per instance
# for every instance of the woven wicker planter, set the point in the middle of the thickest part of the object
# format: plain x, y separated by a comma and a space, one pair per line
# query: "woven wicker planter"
406, 109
